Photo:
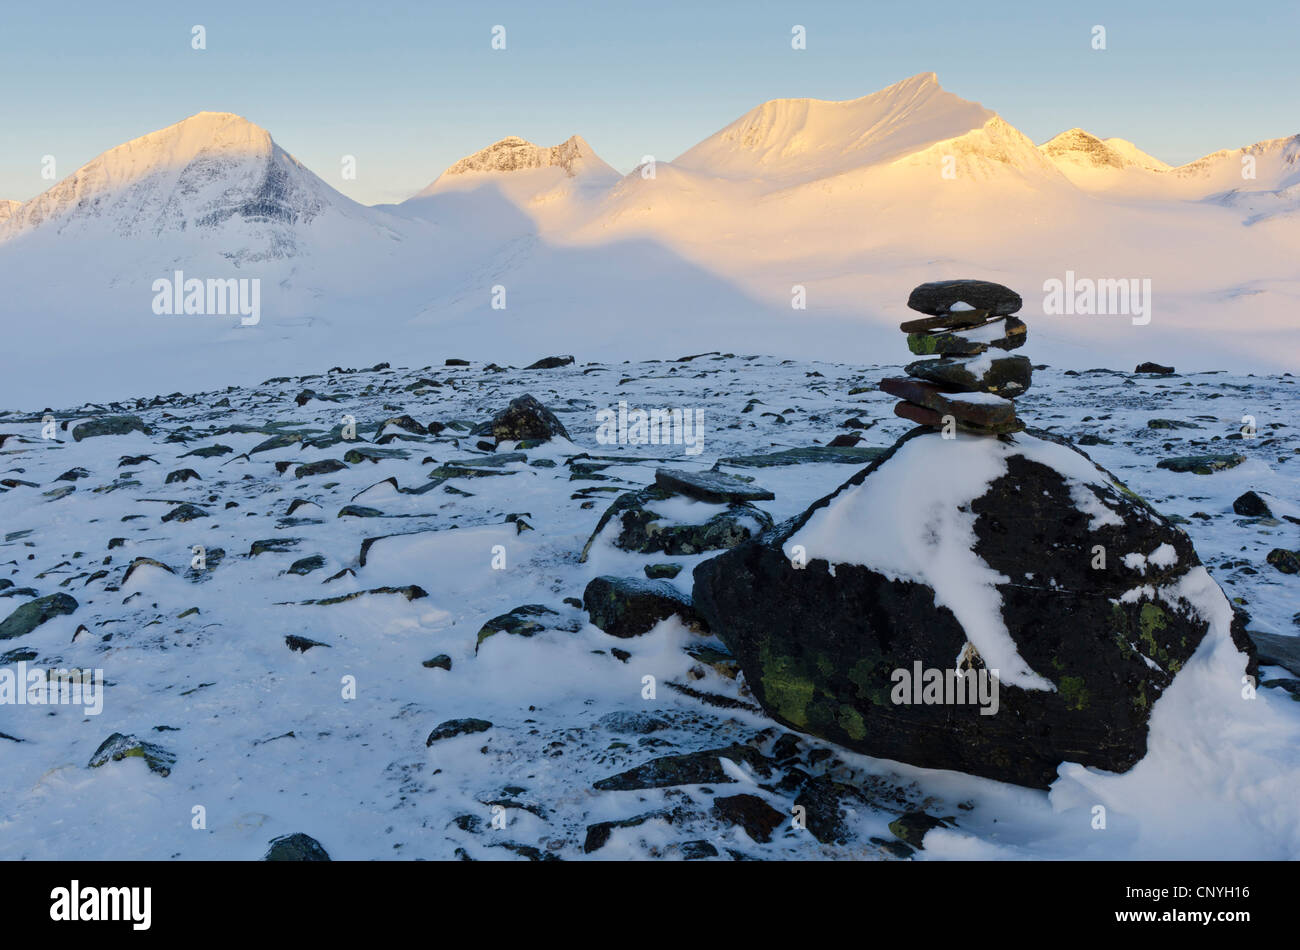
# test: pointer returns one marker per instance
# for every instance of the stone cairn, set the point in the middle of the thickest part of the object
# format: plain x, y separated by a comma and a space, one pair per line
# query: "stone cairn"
967, 322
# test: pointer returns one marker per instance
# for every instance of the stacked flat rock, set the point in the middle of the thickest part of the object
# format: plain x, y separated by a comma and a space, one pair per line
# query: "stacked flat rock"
968, 325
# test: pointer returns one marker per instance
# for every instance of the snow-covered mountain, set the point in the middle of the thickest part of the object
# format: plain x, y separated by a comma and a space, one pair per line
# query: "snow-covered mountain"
7, 207
543, 187
214, 178
788, 142
795, 230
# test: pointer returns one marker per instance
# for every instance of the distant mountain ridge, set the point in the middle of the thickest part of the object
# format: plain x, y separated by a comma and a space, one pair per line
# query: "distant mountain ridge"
853, 201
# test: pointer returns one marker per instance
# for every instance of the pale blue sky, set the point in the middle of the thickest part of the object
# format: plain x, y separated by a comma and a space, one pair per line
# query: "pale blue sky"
408, 88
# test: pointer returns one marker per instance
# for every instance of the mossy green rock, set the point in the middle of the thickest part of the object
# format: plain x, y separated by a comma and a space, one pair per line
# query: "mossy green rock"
629, 606
118, 747
819, 649
34, 613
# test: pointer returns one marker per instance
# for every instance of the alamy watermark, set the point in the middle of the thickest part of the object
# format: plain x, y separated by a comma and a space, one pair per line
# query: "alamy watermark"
37, 686
1125, 296
622, 426
921, 686
215, 296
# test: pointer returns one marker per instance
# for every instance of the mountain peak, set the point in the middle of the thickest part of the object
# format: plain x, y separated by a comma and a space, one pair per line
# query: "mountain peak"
802, 139
196, 175
512, 154
1080, 148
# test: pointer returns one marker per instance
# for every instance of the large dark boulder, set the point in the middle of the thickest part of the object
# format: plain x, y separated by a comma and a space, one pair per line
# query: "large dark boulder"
524, 418
821, 644
629, 606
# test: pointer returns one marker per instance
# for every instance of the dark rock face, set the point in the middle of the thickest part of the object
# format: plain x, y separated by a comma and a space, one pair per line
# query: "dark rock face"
296, 847
644, 530
629, 606
34, 613
1155, 368
524, 418
820, 650
938, 297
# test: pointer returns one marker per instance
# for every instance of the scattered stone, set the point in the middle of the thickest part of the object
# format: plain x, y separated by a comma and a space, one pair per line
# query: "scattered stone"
323, 467
109, 425
523, 418
552, 362
912, 827
1201, 464
144, 562
182, 475
1154, 368
658, 572
521, 622
304, 566
691, 768
1250, 505
185, 512
628, 606
210, 451
753, 814
273, 546
296, 847
301, 644
440, 662
456, 727
118, 747
1288, 562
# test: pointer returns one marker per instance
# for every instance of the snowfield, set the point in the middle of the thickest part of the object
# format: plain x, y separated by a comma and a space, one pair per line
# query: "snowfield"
272, 736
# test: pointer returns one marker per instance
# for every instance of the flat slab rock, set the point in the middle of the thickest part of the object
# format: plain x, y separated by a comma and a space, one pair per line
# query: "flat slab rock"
940, 296
715, 487
989, 411
807, 455
1006, 376
1201, 464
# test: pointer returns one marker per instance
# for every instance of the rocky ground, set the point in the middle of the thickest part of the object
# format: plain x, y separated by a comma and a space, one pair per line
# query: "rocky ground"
387, 641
